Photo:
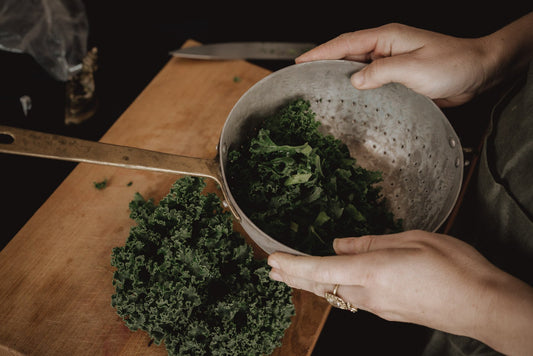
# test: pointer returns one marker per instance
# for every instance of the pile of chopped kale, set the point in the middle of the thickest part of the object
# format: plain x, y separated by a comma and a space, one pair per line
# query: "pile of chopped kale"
186, 278
302, 187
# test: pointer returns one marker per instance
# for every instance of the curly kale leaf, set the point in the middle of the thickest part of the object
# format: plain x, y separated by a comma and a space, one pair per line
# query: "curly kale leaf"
302, 187
186, 278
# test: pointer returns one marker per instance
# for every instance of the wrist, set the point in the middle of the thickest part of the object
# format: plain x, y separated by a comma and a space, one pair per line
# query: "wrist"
508, 51
506, 317
494, 60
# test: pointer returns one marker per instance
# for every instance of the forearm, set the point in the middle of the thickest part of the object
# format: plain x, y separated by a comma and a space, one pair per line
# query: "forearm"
506, 322
509, 50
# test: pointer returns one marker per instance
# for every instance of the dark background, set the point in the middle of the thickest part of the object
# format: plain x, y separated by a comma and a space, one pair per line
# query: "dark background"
133, 41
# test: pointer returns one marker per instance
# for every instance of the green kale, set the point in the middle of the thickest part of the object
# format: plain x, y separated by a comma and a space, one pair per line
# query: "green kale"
302, 187
100, 185
186, 278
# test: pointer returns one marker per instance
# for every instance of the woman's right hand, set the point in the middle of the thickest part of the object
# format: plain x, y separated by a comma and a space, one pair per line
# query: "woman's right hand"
449, 70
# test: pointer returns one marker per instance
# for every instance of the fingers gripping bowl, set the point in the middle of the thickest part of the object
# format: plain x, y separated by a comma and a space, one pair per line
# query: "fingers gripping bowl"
390, 129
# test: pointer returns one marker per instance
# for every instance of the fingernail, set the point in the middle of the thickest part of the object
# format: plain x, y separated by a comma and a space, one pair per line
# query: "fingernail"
358, 80
300, 59
338, 245
275, 276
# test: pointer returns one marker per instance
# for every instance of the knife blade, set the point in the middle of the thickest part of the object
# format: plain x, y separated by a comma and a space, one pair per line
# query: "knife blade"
245, 50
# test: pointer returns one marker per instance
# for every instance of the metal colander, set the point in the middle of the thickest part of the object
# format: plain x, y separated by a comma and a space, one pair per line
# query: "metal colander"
391, 129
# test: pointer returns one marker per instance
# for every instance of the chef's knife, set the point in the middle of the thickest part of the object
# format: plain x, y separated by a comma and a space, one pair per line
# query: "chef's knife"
245, 50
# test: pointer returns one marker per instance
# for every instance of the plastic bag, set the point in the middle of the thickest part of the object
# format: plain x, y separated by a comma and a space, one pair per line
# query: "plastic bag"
53, 32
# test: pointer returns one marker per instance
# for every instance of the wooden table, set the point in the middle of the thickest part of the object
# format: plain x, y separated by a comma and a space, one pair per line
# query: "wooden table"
55, 274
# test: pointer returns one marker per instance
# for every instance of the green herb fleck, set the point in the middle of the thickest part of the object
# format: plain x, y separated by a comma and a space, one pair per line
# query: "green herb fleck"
129, 183
236, 79
302, 187
100, 185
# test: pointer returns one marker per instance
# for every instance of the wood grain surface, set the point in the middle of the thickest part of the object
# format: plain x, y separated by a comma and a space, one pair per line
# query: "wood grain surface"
55, 274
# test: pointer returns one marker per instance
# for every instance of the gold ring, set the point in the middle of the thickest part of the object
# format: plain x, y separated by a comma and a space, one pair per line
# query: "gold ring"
337, 301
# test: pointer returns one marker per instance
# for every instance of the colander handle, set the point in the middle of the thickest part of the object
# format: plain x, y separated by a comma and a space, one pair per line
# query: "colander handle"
38, 144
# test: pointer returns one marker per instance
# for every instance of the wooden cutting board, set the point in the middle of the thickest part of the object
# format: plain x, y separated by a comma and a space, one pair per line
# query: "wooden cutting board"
55, 274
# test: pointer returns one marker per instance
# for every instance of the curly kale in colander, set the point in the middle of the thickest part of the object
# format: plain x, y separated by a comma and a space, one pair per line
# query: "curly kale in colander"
302, 187
186, 278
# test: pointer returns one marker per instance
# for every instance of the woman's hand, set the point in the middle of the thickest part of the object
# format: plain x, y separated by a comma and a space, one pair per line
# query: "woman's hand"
419, 277
412, 276
449, 70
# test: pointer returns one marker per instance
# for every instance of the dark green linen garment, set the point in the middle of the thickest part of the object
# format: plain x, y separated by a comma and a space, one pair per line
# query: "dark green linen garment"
497, 217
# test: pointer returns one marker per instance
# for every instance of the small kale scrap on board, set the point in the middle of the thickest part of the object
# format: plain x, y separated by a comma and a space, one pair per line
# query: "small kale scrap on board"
302, 187
186, 278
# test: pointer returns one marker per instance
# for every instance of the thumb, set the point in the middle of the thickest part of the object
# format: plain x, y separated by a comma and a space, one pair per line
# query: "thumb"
369, 243
345, 245
382, 71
